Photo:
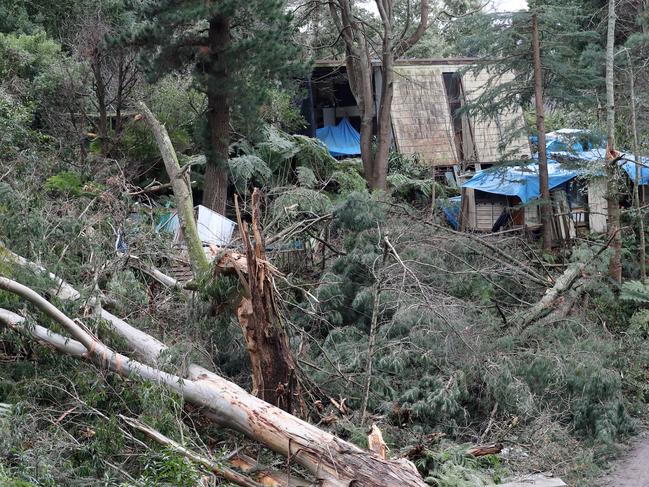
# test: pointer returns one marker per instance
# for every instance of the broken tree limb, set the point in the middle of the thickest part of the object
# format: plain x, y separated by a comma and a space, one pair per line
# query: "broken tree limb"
562, 284
153, 272
264, 475
332, 461
219, 470
481, 451
42, 335
182, 192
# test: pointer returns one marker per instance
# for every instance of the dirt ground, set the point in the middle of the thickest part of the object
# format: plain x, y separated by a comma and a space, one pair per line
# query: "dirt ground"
632, 470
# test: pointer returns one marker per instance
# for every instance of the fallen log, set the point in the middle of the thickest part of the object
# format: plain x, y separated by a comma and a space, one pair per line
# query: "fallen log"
562, 284
332, 461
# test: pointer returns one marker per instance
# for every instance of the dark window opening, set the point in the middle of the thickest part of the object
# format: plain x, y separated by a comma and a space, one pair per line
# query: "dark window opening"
462, 133
332, 98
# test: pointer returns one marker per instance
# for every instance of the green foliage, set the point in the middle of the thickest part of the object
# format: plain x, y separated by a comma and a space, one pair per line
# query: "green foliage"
65, 182
452, 467
502, 42
248, 169
167, 466
127, 292
245, 72
349, 176
404, 186
70, 183
306, 177
635, 291
282, 110
178, 106
15, 122
296, 203
26, 55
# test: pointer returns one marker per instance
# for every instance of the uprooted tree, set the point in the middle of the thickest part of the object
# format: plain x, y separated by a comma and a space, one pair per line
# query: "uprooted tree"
330, 460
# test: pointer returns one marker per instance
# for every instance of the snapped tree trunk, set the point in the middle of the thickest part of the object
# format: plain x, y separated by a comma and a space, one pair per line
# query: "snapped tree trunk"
612, 197
273, 366
333, 462
182, 192
546, 203
215, 189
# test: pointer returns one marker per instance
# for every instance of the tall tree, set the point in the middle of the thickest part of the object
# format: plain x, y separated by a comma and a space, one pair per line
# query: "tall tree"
612, 196
236, 51
546, 208
391, 44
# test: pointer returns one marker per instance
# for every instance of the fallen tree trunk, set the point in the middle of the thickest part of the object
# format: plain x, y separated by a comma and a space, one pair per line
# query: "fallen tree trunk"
562, 284
182, 190
332, 461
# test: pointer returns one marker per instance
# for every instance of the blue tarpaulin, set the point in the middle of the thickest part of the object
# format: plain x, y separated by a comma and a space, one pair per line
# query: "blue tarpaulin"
451, 210
627, 162
341, 139
521, 181
629, 165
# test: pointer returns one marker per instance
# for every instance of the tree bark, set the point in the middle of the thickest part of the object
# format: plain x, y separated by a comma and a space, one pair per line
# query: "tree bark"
546, 203
215, 190
359, 72
273, 366
332, 461
612, 197
182, 193
545, 305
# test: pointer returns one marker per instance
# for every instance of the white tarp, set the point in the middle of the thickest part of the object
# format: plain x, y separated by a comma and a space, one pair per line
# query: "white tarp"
214, 228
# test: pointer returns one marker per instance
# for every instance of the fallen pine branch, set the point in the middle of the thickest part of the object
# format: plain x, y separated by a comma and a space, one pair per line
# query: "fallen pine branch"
562, 284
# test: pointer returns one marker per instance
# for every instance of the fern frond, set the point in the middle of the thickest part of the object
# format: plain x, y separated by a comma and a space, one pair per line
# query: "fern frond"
248, 168
635, 291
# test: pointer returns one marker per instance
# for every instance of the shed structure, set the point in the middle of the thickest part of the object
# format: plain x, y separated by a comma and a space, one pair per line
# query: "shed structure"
427, 117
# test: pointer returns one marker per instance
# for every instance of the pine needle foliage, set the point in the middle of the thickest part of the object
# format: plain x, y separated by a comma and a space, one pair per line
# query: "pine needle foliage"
502, 43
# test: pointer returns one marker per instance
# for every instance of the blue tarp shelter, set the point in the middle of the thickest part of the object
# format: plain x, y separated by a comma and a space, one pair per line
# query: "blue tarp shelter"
341, 140
521, 181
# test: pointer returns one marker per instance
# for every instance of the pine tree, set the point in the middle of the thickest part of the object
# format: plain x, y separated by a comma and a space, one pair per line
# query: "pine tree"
236, 51
542, 48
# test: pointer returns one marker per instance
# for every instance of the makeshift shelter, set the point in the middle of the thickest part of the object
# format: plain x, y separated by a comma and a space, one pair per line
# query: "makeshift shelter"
341, 140
573, 140
427, 117
501, 196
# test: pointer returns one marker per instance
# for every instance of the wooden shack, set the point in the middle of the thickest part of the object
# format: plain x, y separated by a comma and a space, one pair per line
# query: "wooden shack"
427, 121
